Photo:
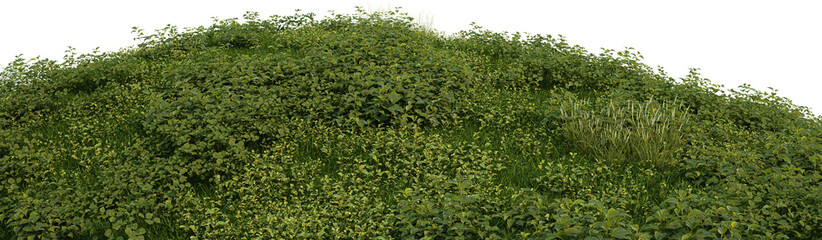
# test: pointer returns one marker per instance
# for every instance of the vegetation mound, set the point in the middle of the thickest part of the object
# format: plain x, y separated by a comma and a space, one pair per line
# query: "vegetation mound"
369, 126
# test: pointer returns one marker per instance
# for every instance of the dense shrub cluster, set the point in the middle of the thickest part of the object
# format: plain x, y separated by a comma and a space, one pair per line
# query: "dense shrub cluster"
348, 70
526, 61
367, 127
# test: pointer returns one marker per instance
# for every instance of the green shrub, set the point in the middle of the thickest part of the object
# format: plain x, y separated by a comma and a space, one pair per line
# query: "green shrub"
366, 126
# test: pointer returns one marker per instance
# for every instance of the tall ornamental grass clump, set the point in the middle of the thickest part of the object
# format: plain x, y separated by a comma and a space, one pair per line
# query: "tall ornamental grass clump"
625, 132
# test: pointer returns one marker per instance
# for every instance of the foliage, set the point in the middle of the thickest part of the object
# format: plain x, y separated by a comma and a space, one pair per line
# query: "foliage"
643, 133
369, 126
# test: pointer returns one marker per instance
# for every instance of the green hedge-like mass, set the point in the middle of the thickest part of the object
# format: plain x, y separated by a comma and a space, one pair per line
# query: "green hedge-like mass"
368, 126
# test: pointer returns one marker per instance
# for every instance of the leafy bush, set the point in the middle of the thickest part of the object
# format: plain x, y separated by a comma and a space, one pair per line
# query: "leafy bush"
368, 126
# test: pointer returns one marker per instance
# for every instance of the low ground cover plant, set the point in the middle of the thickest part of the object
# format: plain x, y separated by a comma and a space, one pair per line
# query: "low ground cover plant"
368, 126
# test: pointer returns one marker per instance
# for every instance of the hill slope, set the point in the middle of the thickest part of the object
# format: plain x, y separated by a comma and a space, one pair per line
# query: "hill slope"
367, 126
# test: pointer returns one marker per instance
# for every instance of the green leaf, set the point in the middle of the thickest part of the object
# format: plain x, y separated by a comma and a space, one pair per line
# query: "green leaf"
620, 233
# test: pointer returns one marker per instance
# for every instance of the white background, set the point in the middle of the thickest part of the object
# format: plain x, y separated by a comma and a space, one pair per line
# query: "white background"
764, 43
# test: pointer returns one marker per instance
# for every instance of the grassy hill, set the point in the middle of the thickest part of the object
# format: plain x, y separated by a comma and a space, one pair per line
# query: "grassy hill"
368, 126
